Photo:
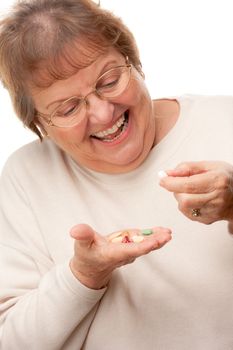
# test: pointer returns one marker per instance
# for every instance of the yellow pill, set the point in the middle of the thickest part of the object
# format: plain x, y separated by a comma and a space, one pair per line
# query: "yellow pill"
116, 239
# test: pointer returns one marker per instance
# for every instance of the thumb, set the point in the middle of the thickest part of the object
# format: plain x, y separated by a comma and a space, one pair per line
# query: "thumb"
84, 234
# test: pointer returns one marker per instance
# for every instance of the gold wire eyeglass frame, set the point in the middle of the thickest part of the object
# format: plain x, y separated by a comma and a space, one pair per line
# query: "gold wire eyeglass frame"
48, 118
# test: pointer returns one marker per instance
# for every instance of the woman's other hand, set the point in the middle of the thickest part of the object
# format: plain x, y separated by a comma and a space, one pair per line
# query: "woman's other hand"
95, 256
203, 190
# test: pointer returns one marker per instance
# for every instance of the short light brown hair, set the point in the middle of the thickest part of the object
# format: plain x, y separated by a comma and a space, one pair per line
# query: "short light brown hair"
37, 40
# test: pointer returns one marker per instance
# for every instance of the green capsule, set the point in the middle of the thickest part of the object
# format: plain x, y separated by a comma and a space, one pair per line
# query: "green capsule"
146, 232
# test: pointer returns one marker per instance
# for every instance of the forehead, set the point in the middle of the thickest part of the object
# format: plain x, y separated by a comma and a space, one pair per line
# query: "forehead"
80, 80
71, 58
68, 60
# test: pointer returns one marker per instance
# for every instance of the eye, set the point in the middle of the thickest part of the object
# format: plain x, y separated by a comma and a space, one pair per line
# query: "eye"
108, 80
68, 108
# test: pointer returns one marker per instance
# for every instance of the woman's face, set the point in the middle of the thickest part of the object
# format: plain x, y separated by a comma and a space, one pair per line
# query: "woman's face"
115, 135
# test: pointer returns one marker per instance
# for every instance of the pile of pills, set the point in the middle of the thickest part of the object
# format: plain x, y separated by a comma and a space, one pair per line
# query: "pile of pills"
132, 236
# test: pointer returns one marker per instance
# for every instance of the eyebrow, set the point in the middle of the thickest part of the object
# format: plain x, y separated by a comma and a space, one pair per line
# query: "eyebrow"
101, 72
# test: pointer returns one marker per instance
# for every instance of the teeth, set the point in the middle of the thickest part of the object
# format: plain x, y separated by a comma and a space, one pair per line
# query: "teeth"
112, 130
116, 137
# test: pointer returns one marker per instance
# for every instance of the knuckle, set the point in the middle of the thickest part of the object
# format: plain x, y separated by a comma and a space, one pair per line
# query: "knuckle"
183, 166
129, 256
208, 221
190, 187
184, 204
180, 207
221, 181
219, 203
130, 261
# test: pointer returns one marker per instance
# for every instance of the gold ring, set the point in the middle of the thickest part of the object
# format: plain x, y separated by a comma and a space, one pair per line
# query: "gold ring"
196, 212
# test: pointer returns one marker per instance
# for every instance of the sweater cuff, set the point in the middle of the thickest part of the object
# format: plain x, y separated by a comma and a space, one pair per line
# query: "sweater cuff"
76, 287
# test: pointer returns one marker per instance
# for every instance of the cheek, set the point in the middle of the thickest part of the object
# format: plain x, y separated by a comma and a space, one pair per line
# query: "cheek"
72, 135
137, 93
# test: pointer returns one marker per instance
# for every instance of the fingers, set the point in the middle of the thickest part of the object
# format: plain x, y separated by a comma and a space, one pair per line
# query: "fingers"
186, 202
206, 205
212, 177
86, 237
197, 177
155, 241
125, 251
192, 168
203, 190
201, 183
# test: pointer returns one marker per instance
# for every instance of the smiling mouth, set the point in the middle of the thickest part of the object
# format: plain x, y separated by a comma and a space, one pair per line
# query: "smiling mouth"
113, 133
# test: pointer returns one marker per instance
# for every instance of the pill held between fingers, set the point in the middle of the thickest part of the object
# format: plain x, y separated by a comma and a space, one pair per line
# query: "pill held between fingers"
162, 174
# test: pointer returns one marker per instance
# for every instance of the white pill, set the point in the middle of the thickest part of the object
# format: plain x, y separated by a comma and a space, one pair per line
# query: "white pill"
137, 239
162, 174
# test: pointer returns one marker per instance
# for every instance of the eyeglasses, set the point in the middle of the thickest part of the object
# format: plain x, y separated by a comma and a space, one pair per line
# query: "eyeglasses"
73, 110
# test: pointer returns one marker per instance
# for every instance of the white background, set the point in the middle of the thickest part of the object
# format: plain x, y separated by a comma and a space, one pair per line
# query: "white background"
186, 47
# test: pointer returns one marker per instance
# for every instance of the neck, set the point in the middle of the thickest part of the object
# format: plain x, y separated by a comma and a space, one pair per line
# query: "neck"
166, 114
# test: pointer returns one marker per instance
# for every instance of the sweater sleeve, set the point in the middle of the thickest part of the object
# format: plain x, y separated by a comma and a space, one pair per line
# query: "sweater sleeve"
41, 304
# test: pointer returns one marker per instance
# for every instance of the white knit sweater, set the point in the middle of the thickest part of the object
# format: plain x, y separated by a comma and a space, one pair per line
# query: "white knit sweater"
177, 298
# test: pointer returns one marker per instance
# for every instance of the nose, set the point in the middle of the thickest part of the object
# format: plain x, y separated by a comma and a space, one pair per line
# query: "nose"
98, 110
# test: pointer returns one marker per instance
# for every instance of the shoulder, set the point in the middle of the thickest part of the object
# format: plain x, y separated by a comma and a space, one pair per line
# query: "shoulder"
170, 105
34, 157
166, 107
207, 102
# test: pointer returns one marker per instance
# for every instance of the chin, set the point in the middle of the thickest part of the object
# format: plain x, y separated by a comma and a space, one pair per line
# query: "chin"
125, 162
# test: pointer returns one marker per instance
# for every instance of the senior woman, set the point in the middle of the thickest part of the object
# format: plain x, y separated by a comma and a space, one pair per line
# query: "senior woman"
72, 205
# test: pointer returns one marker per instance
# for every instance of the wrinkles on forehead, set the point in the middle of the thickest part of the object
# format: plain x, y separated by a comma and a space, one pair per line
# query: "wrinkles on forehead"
73, 57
